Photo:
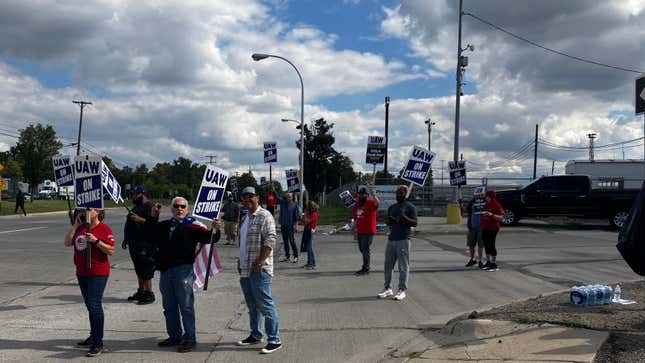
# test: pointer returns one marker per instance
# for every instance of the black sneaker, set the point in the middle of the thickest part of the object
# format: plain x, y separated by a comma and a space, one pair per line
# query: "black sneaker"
480, 264
94, 350
147, 298
186, 346
493, 267
86, 343
170, 342
471, 263
486, 266
249, 341
136, 296
363, 271
270, 348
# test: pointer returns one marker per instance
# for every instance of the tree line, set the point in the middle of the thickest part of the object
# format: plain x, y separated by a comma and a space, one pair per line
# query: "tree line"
29, 160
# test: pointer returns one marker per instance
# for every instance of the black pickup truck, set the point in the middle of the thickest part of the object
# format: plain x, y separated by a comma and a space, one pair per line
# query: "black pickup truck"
569, 196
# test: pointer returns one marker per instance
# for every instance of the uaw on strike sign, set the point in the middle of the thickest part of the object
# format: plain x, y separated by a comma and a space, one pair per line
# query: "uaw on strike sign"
375, 150
87, 182
211, 193
418, 166
63, 170
270, 152
109, 182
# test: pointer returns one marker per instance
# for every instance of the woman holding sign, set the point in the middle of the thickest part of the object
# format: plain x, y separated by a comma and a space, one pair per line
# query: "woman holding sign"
310, 220
90, 232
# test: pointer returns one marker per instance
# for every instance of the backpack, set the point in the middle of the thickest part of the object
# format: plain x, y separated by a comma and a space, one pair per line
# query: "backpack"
631, 239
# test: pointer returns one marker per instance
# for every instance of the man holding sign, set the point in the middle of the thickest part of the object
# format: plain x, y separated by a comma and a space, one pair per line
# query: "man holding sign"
177, 240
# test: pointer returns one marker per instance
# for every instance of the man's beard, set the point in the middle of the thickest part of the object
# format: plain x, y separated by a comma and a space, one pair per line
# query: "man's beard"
400, 199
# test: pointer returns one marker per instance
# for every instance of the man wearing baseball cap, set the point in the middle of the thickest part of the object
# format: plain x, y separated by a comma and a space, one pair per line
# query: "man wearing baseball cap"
257, 241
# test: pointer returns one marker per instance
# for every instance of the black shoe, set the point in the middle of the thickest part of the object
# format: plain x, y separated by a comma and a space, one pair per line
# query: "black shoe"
471, 263
480, 264
136, 296
486, 265
493, 267
86, 343
249, 341
186, 346
94, 350
147, 298
363, 271
170, 342
270, 348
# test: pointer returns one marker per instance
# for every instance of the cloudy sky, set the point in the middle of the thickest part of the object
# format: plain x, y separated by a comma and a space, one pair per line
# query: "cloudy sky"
175, 78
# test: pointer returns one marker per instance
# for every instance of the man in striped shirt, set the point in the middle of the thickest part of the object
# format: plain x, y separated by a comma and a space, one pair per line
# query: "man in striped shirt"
257, 241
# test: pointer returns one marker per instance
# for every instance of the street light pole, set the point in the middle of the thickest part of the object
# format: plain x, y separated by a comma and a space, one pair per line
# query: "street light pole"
258, 57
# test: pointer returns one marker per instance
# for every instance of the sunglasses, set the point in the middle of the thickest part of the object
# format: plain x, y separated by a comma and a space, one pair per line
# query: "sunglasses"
179, 206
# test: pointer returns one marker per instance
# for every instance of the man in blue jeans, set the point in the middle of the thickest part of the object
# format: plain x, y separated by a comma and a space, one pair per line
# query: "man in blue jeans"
177, 240
288, 224
257, 241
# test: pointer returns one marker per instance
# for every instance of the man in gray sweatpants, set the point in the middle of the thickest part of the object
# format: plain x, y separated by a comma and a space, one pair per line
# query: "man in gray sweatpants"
401, 217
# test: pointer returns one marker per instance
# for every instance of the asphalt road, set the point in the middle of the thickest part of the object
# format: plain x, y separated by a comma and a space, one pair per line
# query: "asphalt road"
326, 315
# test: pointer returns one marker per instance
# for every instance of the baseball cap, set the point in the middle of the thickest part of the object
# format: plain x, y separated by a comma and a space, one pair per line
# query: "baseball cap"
362, 190
248, 190
140, 189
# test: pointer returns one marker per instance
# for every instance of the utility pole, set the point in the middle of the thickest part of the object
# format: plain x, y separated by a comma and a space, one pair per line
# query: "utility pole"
535, 149
80, 124
387, 116
591, 137
210, 157
430, 123
552, 167
442, 163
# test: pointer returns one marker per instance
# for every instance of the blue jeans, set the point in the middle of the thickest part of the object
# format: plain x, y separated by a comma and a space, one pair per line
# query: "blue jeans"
176, 285
257, 294
308, 237
92, 288
289, 240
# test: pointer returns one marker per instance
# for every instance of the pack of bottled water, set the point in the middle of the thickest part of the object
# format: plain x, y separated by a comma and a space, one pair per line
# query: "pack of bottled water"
590, 295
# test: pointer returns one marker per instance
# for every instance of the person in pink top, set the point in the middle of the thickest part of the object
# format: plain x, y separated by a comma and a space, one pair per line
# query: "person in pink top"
99, 240
310, 221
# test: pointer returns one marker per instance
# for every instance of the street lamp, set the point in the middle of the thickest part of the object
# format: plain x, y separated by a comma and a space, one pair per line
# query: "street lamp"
430, 124
300, 155
258, 57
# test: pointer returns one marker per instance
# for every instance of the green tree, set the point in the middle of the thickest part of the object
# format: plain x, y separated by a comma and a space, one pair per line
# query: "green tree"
34, 150
324, 166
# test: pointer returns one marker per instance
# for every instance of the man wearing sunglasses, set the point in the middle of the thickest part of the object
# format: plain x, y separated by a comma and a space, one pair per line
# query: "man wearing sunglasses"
177, 240
257, 241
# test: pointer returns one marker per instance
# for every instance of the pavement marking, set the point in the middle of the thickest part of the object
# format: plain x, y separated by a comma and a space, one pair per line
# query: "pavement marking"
21, 230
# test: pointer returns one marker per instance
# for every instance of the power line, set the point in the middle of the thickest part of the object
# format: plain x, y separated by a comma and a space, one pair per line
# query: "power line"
554, 145
584, 60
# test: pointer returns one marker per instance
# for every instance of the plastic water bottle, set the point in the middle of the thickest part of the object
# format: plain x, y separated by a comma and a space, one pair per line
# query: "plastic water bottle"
608, 294
577, 296
592, 295
617, 294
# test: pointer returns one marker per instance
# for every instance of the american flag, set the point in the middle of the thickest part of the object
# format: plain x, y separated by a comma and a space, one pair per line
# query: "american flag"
201, 258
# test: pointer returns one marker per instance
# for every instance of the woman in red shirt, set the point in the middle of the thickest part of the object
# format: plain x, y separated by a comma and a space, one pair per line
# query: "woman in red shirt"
93, 278
490, 224
310, 221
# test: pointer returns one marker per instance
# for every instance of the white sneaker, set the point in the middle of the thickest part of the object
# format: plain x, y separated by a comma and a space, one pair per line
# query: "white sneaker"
400, 295
284, 259
294, 260
385, 293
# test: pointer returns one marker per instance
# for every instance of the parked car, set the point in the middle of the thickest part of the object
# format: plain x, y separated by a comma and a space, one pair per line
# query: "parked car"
569, 196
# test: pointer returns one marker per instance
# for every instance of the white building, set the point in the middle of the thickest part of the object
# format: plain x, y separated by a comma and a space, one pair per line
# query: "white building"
609, 173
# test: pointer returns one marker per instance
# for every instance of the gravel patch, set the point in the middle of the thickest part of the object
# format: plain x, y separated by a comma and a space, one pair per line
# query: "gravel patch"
625, 322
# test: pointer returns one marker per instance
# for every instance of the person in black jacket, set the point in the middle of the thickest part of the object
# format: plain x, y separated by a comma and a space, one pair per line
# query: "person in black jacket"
20, 202
177, 239
142, 250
